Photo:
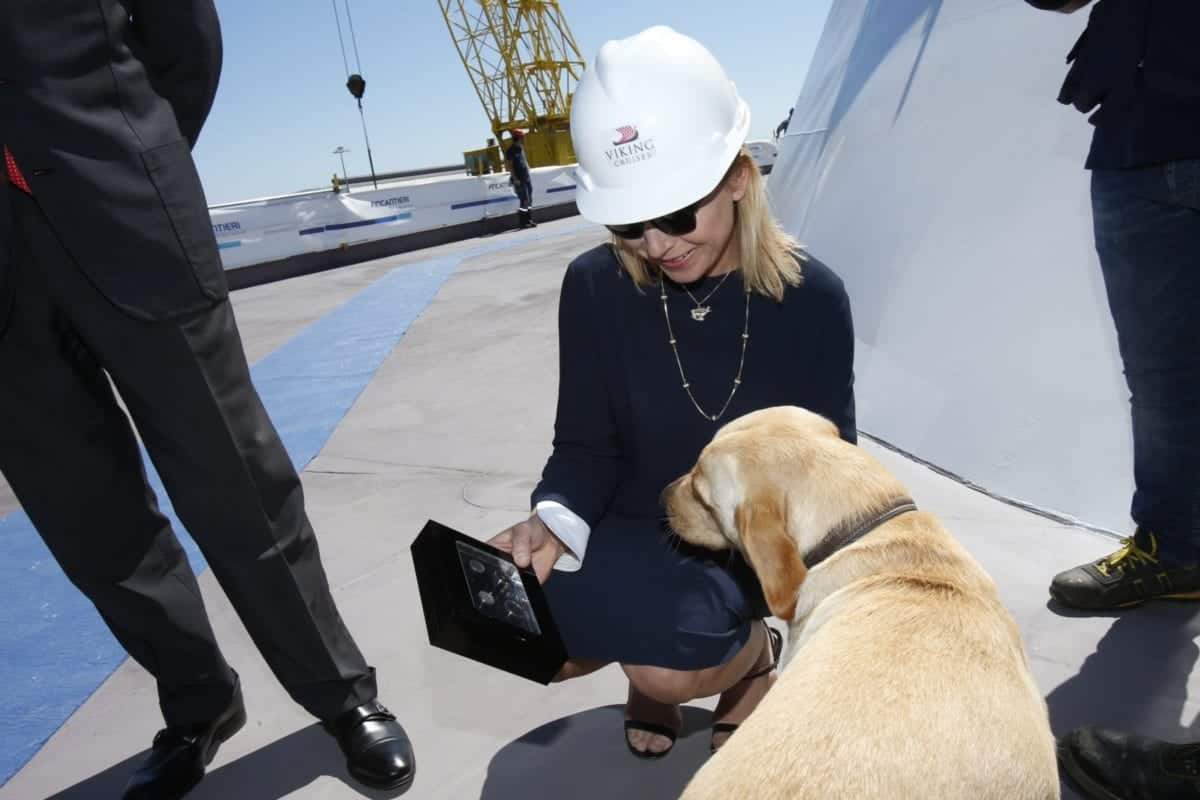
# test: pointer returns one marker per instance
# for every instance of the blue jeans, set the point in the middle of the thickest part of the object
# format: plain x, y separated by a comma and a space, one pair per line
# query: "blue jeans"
1147, 225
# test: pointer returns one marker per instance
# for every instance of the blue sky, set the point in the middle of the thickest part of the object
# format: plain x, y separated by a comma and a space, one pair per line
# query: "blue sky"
282, 106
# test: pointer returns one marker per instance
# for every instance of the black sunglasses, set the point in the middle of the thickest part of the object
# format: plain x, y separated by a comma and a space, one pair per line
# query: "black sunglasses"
677, 223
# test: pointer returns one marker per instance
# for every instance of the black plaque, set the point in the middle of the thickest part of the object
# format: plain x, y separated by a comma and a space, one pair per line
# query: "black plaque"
480, 605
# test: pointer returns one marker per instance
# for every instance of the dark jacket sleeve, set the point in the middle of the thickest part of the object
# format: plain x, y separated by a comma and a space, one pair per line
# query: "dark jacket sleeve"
584, 469
179, 41
833, 364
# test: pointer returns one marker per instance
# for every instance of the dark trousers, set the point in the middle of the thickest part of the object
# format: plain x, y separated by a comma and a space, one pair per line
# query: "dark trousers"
524, 190
1148, 238
70, 455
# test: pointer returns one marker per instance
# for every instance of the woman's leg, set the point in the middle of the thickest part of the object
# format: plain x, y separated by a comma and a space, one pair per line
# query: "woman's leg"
655, 693
740, 699
643, 598
645, 710
659, 692
578, 667
638, 706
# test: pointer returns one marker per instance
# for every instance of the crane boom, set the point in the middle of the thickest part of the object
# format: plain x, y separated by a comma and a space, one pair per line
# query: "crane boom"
524, 64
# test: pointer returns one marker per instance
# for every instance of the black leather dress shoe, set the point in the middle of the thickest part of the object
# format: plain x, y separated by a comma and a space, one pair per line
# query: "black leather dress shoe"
181, 753
377, 749
1113, 765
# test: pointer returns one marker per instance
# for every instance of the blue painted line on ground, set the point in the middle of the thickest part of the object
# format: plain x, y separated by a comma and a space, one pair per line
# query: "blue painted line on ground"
340, 226
56, 649
227, 245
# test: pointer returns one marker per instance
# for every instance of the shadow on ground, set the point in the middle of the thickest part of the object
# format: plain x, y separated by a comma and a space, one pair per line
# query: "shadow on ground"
269, 773
584, 757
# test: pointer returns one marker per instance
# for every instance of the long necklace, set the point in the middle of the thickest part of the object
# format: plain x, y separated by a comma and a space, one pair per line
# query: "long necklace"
737, 381
701, 311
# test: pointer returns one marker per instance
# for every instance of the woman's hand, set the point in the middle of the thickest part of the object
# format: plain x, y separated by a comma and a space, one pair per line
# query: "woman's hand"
531, 542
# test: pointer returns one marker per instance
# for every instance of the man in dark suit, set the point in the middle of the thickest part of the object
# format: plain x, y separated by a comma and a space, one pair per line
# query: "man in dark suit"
109, 270
1136, 71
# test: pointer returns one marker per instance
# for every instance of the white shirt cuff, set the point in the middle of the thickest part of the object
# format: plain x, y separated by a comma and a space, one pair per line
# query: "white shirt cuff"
570, 529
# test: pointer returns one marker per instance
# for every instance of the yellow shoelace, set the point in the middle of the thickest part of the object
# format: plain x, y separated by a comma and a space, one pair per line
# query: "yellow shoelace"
1129, 552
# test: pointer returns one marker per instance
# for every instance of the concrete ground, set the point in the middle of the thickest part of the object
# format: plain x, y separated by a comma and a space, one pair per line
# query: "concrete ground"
455, 425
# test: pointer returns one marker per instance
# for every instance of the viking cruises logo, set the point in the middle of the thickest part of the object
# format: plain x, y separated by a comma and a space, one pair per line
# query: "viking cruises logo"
629, 148
626, 134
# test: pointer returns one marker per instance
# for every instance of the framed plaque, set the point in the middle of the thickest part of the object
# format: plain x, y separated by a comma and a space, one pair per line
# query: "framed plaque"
480, 605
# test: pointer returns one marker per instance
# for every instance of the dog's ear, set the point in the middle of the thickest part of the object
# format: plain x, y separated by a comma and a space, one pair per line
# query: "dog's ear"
762, 527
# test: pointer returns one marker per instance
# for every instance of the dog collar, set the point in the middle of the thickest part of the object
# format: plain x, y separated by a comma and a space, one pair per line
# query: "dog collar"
847, 533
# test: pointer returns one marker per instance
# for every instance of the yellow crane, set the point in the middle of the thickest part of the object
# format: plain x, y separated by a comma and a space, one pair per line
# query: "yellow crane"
524, 64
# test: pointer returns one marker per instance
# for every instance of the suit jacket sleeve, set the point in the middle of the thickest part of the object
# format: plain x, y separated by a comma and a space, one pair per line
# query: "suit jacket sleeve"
584, 469
179, 41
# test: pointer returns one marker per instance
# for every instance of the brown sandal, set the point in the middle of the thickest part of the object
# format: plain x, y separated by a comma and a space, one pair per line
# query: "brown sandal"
776, 649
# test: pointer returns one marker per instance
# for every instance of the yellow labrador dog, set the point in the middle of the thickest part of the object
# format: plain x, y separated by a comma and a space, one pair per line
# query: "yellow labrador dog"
905, 678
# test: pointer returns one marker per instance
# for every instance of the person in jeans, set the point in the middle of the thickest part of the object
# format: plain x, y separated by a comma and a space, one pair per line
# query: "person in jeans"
1136, 69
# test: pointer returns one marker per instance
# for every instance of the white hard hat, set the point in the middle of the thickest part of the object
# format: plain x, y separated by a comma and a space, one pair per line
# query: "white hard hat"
655, 123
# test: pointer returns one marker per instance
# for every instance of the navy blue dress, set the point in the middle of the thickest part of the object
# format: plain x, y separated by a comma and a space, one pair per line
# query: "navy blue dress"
625, 428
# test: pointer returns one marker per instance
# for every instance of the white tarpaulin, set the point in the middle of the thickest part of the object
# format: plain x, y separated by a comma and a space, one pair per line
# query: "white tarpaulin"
930, 166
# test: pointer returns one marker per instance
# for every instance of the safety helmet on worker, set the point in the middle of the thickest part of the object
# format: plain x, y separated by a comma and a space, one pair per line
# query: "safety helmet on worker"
655, 123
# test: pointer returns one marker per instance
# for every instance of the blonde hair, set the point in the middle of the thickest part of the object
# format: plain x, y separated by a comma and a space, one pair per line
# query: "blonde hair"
769, 258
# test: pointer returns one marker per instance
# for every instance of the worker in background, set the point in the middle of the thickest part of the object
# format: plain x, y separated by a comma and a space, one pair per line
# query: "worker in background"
781, 129
518, 168
1136, 71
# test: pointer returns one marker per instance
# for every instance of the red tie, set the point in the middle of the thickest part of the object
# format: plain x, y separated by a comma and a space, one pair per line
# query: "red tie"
14, 175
